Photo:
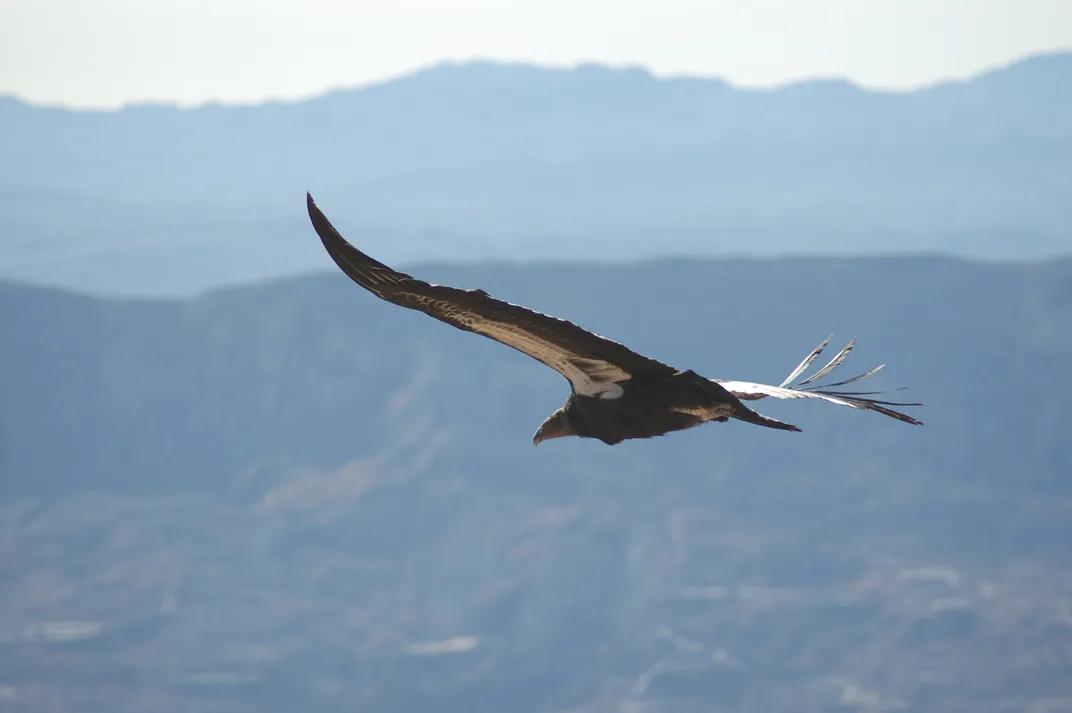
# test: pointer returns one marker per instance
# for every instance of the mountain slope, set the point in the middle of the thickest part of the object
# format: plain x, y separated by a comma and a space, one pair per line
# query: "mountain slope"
294, 496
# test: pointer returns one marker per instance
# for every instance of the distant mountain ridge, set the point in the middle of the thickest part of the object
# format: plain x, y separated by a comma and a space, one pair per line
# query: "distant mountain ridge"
476, 160
484, 114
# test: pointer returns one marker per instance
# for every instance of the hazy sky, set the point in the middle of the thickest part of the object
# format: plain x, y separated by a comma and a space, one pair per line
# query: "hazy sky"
107, 52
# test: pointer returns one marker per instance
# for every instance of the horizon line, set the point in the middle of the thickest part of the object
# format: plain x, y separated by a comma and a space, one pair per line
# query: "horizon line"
579, 65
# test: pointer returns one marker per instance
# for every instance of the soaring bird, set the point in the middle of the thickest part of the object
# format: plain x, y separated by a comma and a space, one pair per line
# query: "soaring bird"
616, 394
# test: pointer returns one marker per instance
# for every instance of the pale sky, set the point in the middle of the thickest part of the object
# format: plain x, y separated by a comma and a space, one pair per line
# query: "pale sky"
110, 52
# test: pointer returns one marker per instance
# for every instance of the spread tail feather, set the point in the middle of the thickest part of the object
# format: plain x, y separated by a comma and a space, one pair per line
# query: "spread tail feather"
807, 389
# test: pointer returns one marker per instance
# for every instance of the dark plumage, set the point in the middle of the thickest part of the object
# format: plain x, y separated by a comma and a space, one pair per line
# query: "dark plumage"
616, 393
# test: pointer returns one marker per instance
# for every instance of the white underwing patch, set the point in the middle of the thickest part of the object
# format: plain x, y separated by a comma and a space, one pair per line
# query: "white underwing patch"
600, 378
594, 378
610, 391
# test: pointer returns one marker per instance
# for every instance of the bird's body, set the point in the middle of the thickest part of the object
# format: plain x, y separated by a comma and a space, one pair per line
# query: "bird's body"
651, 406
616, 393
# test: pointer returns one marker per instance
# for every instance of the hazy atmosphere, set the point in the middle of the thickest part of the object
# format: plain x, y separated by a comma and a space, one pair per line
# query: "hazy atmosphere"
234, 481
110, 52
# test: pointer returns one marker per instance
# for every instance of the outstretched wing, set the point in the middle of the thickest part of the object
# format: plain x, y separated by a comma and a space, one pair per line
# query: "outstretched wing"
594, 365
747, 391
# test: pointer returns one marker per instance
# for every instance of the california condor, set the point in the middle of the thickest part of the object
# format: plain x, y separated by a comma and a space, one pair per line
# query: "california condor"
616, 394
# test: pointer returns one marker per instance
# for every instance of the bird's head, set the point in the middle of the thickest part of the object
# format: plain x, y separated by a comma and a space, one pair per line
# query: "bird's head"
557, 425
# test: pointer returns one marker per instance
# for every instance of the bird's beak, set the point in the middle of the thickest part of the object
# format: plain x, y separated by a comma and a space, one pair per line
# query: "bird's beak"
554, 427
